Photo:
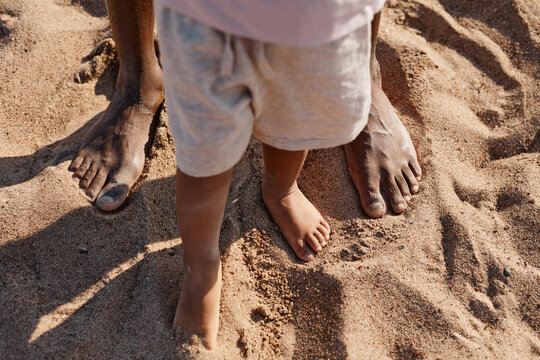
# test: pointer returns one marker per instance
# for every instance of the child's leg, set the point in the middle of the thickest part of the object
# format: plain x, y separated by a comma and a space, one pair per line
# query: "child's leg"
299, 220
200, 203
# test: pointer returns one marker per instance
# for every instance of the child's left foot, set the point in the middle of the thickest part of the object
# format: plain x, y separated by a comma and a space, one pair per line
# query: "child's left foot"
301, 223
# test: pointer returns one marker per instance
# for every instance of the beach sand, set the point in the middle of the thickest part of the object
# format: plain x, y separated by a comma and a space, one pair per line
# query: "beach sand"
457, 276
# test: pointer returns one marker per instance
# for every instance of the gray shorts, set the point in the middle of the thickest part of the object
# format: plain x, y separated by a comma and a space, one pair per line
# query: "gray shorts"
222, 88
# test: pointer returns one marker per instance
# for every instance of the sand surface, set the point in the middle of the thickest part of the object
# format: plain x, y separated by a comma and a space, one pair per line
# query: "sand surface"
76, 283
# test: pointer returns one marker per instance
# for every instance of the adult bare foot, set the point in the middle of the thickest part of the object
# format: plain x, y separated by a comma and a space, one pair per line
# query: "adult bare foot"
300, 222
112, 154
382, 158
198, 308
111, 157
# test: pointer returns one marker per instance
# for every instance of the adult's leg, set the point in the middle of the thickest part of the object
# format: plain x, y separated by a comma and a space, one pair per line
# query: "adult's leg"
301, 223
112, 155
382, 158
200, 203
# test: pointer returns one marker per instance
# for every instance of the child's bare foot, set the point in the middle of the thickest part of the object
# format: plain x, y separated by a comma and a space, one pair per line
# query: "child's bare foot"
298, 219
198, 308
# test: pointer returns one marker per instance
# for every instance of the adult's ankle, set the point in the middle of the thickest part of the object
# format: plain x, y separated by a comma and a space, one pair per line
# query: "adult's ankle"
137, 76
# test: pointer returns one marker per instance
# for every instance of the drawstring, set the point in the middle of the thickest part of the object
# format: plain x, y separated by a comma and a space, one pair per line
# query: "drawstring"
260, 57
227, 59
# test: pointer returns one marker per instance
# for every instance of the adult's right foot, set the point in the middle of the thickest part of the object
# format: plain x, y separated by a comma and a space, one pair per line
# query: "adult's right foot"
111, 157
382, 159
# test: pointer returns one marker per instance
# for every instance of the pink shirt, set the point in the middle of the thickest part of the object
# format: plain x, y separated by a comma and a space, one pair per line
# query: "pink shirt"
284, 22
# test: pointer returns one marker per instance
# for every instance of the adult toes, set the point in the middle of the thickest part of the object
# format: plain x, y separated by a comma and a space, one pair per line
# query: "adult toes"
112, 196
415, 167
373, 203
97, 184
313, 242
403, 187
396, 199
83, 168
89, 176
370, 196
411, 180
76, 163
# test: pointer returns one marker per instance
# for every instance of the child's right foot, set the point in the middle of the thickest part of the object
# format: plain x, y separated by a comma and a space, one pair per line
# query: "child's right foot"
198, 308
301, 223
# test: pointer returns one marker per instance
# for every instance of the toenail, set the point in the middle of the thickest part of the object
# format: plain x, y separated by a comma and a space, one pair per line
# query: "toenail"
327, 237
106, 200
415, 188
376, 207
407, 198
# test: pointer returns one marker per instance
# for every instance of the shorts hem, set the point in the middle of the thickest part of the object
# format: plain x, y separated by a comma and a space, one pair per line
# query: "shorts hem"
295, 144
215, 168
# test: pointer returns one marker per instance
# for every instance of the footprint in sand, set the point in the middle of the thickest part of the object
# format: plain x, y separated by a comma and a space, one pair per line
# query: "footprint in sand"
95, 63
7, 24
300, 307
355, 252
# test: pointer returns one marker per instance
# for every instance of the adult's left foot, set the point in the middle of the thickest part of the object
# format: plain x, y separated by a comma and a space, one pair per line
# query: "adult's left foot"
383, 159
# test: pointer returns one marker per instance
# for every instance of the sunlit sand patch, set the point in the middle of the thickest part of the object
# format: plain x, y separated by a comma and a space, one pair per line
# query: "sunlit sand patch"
56, 317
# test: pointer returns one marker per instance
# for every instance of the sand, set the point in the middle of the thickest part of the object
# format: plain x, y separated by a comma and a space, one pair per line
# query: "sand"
455, 277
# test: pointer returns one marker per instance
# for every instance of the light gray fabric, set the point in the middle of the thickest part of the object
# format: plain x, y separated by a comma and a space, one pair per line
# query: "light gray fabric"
221, 89
284, 22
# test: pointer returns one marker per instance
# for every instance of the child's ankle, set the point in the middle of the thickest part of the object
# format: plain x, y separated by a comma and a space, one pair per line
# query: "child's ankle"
272, 191
202, 265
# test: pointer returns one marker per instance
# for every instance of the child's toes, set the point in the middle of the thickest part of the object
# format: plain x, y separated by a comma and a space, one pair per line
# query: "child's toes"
325, 231
307, 255
302, 250
313, 242
325, 224
318, 234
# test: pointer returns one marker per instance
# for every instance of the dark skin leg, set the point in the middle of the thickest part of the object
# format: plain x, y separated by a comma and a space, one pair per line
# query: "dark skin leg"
112, 155
382, 159
200, 204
